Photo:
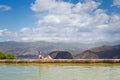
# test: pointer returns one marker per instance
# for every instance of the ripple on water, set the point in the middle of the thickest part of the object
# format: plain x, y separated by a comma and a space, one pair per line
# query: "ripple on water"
59, 71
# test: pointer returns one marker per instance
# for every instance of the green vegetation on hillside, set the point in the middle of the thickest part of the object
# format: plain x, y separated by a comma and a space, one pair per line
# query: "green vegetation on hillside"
6, 56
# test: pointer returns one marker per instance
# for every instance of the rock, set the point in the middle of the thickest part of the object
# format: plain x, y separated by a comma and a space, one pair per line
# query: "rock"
61, 55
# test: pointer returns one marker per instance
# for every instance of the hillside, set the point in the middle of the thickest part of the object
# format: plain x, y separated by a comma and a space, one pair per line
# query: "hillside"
102, 52
61, 55
79, 51
30, 49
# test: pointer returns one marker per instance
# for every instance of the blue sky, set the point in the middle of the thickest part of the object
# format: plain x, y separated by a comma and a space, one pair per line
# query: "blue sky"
87, 21
18, 17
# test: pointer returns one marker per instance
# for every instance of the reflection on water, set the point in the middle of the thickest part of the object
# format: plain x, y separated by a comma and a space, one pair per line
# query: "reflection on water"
59, 71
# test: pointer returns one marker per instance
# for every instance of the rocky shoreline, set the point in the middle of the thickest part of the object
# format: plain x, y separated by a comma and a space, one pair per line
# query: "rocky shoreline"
62, 61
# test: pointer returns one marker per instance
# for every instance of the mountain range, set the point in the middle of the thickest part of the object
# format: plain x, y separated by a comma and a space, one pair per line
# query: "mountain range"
78, 50
101, 52
30, 49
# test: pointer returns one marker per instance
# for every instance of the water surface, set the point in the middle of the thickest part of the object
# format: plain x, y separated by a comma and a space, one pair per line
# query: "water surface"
58, 71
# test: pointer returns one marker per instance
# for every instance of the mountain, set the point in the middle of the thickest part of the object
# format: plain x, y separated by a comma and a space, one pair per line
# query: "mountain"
86, 55
78, 50
30, 49
102, 52
61, 55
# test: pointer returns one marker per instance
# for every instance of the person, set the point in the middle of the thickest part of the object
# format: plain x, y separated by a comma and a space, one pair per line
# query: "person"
48, 58
40, 55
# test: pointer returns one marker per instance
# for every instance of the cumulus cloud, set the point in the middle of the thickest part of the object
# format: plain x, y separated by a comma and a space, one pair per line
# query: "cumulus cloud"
116, 3
83, 22
6, 35
5, 7
68, 22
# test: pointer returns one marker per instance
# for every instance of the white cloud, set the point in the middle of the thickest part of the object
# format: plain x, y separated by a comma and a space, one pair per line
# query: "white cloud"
5, 7
64, 21
4, 32
6, 35
42, 5
116, 3
86, 8
76, 22
52, 6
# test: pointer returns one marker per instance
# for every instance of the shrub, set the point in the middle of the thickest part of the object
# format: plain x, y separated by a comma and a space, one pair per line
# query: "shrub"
6, 56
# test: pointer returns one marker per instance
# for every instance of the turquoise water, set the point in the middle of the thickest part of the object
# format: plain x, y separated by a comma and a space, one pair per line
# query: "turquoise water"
59, 71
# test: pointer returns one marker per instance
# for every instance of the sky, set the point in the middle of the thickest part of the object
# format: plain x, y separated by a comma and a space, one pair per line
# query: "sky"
84, 21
